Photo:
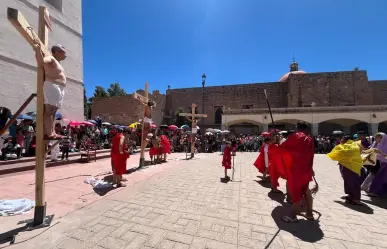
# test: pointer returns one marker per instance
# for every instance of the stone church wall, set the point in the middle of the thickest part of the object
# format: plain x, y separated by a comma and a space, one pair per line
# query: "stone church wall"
379, 88
330, 89
125, 109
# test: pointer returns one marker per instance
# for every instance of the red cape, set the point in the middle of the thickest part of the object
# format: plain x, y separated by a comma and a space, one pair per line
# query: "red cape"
166, 146
260, 162
297, 154
226, 162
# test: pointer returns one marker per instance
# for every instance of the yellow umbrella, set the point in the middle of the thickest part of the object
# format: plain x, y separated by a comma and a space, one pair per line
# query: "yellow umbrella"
134, 125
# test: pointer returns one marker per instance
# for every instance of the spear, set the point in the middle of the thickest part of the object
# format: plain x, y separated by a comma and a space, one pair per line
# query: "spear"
268, 105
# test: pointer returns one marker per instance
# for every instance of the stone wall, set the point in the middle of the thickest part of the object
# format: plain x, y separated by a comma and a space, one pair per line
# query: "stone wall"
229, 96
17, 59
379, 88
330, 89
125, 109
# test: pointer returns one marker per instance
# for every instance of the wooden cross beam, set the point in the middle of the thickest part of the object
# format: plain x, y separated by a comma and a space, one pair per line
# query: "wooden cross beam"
16, 18
40, 42
147, 114
193, 116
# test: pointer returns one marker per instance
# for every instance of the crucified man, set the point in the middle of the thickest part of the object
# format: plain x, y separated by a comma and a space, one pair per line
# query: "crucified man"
53, 88
147, 117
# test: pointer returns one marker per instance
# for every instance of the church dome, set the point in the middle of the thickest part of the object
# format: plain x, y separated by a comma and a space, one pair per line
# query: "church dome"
285, 77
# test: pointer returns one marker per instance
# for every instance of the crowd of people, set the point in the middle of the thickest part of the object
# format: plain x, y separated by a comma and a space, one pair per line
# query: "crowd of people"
362, 164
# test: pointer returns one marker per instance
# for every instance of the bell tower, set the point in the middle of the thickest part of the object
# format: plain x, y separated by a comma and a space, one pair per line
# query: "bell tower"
294, 65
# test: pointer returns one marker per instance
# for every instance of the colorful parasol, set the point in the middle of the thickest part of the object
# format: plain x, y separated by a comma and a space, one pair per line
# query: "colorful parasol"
134, 125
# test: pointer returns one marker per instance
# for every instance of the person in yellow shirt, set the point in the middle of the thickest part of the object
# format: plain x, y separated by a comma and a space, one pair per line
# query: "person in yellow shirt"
348, 156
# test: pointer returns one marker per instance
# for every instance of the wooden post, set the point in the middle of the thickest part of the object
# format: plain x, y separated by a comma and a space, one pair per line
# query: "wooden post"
40, 209
20, 23
144, 100
193, 126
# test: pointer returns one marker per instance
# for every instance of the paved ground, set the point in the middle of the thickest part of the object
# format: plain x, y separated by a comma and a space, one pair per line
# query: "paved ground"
187, 206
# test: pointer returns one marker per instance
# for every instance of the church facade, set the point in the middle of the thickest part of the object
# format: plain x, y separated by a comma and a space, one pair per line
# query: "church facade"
344, 100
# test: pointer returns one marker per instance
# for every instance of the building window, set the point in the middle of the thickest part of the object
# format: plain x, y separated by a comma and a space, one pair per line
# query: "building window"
247, 107
57, 4
218, 115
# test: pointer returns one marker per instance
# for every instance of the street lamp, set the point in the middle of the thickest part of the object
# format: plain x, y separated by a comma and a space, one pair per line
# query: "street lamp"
203, 83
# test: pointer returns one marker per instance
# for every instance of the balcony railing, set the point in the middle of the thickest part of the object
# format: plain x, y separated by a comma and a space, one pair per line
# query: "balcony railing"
331, 109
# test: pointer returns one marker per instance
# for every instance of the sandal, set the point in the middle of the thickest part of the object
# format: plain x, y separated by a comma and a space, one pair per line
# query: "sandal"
288, 219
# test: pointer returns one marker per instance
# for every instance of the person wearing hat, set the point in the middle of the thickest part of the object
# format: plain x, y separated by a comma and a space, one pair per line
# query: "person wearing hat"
226, 162
53, 88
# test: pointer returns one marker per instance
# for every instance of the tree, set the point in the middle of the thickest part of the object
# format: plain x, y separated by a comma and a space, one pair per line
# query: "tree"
116, 90
100, 92
86, 105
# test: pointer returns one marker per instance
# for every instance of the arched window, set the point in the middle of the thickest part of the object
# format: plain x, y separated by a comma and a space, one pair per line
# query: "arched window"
218, 115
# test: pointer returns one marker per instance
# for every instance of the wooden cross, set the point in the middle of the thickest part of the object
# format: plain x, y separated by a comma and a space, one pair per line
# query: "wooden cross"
144, 100
40, 41
193, 118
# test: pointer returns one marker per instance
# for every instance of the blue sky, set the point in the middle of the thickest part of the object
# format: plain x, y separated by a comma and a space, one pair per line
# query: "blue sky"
173, 42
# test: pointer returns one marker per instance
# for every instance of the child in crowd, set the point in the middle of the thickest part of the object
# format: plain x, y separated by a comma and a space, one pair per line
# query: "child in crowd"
66, 143
226, 162
20, 142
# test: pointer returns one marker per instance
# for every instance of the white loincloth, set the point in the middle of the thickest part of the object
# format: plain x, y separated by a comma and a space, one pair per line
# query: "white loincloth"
148, 120
55, 151
53, 94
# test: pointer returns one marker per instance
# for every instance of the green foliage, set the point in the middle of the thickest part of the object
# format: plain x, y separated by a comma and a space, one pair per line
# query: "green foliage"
86, 105
100, 92
116, 90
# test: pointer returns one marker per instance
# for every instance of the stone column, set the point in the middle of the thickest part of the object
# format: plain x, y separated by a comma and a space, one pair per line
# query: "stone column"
314, 129
264, 128
347, 130
373, 129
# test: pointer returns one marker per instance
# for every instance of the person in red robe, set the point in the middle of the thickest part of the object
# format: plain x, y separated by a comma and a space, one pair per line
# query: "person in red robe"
262, 162
297, 154
119, 154
165, 147
226, 162
276, 165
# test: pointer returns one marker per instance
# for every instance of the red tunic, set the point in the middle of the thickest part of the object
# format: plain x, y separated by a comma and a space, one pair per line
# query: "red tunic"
166, 146
118, 160
260, 162
226, 162
297, 154
153, 151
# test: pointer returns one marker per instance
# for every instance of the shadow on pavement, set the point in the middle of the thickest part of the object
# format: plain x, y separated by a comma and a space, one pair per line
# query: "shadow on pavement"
224, 180
278, 197
265, 184
376, 201
305, 230
364, 208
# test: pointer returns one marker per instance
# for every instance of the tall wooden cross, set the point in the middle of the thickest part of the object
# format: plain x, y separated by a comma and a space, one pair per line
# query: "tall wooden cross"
144, 101
40, 41
194, 120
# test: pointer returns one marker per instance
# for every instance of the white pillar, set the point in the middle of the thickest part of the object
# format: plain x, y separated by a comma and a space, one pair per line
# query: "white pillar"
314, 129
347, 130
373, 129
265, 128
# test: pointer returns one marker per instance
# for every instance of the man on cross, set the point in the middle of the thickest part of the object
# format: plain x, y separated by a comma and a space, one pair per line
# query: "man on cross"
54, 84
